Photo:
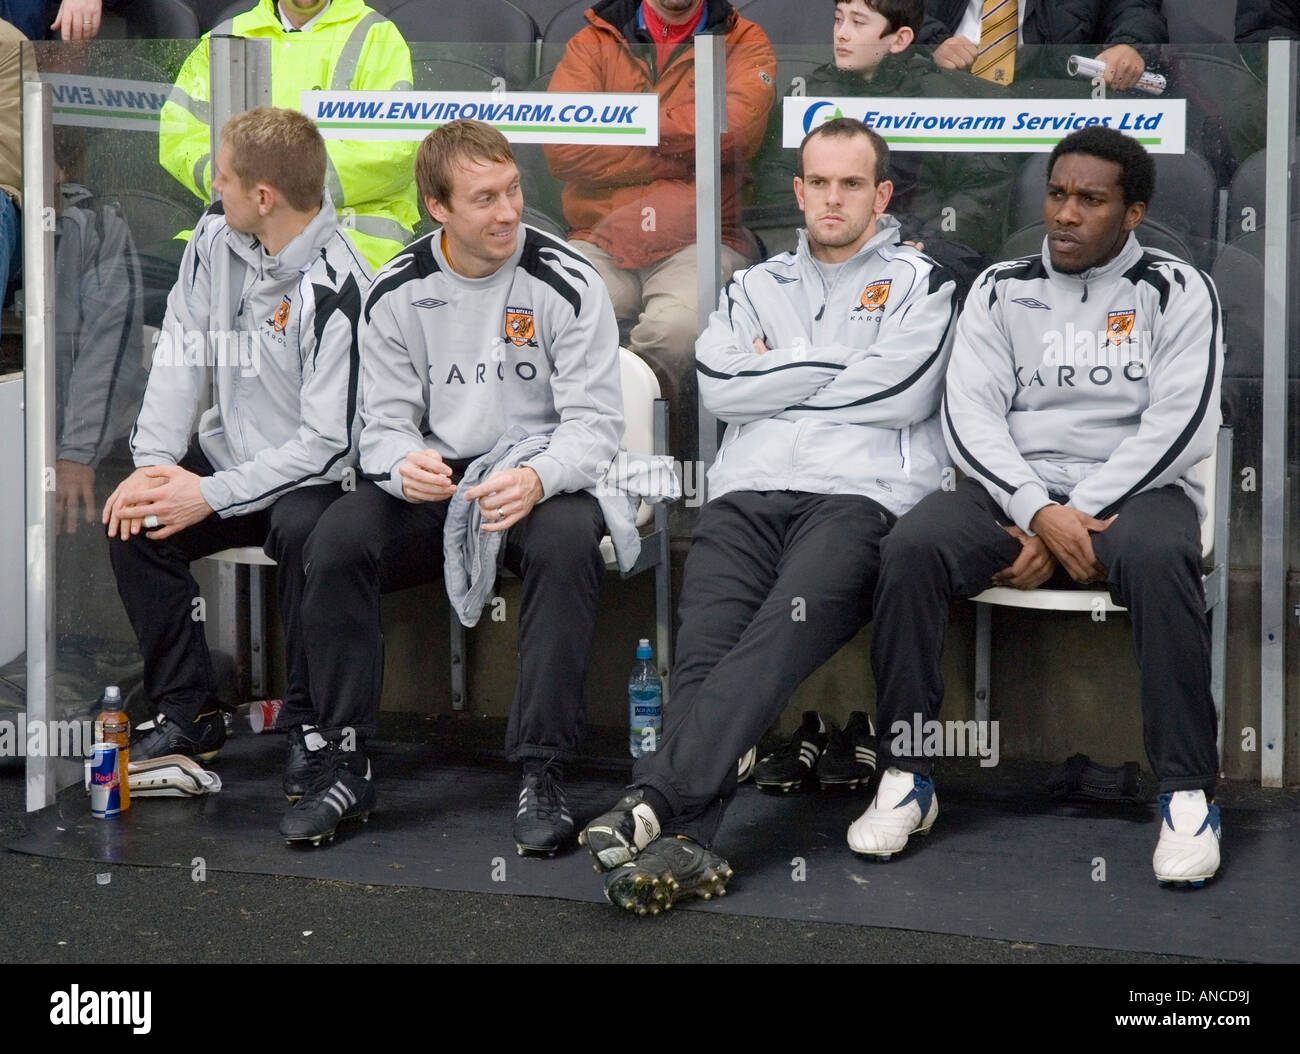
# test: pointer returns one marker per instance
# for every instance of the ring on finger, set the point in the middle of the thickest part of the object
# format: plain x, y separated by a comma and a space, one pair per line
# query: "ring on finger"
151, 522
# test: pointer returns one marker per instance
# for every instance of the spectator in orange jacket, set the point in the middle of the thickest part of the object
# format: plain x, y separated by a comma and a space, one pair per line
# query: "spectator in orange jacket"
631, 210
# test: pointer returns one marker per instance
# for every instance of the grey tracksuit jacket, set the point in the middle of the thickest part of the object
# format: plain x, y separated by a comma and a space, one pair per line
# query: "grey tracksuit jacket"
844, 401
450, 363
1093, 387
276, 336
97, 321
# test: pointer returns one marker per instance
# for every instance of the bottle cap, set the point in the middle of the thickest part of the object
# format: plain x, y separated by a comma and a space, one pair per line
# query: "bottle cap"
643, 649
112, 694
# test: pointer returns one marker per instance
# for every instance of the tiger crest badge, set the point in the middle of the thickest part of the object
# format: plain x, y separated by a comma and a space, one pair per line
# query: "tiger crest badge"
1119, 326
875, 296
519, 327
281, 317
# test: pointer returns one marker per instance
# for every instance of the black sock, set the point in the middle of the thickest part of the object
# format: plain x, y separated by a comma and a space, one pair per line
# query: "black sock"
658, 803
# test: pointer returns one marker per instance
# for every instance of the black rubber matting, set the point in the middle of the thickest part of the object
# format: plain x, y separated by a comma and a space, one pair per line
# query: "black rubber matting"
1003, 862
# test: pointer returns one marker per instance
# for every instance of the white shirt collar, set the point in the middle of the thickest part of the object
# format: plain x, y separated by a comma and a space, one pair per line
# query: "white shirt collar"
289, 27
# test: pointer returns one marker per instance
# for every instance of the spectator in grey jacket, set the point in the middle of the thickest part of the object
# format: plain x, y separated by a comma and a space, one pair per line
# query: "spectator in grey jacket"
265, 314
99, 373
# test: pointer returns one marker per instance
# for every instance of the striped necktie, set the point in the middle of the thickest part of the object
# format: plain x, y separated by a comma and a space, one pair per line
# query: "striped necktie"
999, 25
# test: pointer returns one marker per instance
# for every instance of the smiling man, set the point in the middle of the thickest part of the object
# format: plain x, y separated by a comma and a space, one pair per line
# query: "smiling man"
484, 328
1084, 387
826, 363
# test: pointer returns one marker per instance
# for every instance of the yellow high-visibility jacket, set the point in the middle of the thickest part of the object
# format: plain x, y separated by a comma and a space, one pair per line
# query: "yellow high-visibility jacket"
349, 47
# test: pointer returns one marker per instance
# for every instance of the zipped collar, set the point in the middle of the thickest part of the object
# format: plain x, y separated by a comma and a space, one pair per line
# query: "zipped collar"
699, 23
887, 233
299, 255
1126, 258
338, 11
504, 273
621, 17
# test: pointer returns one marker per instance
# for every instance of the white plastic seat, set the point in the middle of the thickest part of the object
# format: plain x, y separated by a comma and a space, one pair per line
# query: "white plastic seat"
1215, 473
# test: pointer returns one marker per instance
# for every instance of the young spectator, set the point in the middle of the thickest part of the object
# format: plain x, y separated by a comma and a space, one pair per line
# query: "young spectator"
874, 55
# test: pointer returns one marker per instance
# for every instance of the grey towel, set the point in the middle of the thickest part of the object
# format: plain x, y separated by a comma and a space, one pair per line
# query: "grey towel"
472, 556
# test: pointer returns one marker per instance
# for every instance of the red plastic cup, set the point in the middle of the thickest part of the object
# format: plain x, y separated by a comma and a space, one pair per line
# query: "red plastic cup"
262, 714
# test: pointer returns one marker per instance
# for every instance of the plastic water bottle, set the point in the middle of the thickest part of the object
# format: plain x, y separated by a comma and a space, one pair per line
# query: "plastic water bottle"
645, 703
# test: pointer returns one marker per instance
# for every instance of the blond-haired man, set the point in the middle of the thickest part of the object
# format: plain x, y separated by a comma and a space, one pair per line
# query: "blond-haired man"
264, 315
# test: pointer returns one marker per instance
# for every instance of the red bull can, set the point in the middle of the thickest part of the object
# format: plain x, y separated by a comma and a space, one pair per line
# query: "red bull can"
105, 781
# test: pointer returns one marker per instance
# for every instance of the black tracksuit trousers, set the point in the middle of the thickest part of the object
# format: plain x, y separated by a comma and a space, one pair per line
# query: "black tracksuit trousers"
370, 543
953, 542
158, 592
775, 583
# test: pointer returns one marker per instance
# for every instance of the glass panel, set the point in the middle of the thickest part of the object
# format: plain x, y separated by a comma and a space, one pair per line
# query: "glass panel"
115, 214
117, 256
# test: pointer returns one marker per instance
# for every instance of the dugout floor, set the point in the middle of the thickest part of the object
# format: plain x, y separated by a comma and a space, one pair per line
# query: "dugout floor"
1004, 861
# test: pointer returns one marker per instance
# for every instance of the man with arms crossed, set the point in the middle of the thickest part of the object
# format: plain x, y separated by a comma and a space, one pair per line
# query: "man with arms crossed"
826, 364
265, 310
1078, 465
481, 327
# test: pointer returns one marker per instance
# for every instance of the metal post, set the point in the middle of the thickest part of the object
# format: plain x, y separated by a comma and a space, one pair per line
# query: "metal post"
38, 396
1273, 530
710, 123
1222, 513
240, 78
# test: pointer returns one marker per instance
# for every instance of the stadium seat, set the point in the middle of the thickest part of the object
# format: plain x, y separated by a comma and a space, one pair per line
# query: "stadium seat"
493, 34
252, 559
162, 20
1226, 103
542, 11
1239, 276
1215, 473
557, 32
791, 23
1246, 191
1199, 21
